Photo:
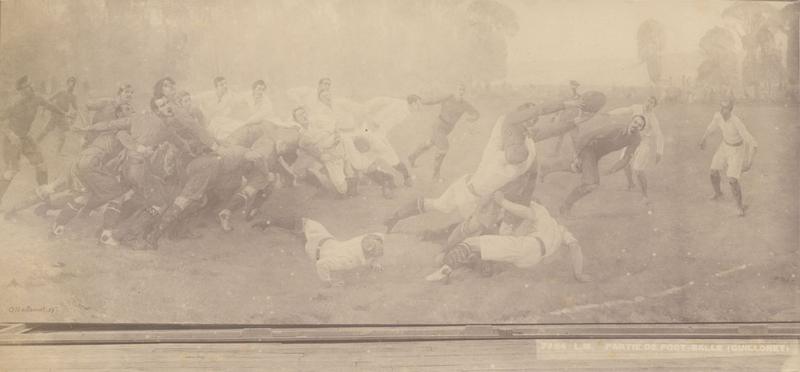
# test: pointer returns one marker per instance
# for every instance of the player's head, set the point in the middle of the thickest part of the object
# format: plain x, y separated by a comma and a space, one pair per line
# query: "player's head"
638, 122
324, 96
259, 87
124, 110
651, 103
459, 91
184, 99
726, 108
529, 124
24, 86
372, 245
164, 87
125, 92
221, 85
71, 82
300, 116
361, 144
324, 84
414, 102
161, 106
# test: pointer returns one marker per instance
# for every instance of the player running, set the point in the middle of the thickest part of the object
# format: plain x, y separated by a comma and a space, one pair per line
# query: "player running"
734, 155
17, 142
66, 101
539, 236
453, 106
643, 156
591, 148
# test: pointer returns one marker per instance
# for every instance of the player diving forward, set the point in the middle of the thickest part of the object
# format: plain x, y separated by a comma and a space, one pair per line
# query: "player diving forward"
735, 153
538, 237
509, 153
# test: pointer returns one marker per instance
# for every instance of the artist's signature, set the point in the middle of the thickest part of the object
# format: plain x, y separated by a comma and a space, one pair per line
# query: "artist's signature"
31, 309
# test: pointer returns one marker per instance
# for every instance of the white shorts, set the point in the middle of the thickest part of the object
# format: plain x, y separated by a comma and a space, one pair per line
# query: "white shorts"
457, 197
642, 157
731, 157
314, 232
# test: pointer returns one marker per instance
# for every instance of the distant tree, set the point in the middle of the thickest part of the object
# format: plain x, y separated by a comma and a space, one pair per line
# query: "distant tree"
651, 41
791, 26
719, 68
755, 20
487, 26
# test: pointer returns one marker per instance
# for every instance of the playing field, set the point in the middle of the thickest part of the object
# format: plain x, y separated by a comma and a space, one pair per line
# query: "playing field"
690, 260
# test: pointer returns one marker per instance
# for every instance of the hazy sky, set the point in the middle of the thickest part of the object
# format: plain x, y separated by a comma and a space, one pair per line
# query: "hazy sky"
558, 38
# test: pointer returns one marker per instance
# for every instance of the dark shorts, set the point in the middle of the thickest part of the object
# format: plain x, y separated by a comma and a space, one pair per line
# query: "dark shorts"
200, 174
590, 174
102, 186
439, 135
27, 148
521, 189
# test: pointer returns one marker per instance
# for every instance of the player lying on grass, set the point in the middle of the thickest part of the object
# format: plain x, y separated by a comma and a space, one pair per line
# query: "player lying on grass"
592, 147
734, 154
328, 253
538, 237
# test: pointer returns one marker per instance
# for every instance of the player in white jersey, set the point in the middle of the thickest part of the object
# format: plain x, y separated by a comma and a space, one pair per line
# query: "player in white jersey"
734, 155
383, 114
539, 236
643, 156
510, 152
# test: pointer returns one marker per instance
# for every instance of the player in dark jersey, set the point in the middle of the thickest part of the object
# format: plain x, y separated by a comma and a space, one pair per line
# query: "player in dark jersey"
453, 106
590, 149
66, 101
17, 141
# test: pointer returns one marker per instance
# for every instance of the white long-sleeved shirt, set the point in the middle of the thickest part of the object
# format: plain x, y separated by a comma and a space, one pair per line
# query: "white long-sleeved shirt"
652, 127
387, 112
733, 130
494, 171
334, 255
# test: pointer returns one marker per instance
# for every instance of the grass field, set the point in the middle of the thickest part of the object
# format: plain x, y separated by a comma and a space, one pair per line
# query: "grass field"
692, 260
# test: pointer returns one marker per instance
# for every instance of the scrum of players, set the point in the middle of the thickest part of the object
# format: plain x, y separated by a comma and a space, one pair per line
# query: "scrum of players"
148, 171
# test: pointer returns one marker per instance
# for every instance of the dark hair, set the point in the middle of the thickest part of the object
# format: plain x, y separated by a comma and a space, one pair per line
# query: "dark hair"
644, 120
123, 87
119, 108
258, 83
413, 98
158, 88
324, 79
72, 78
218, 79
